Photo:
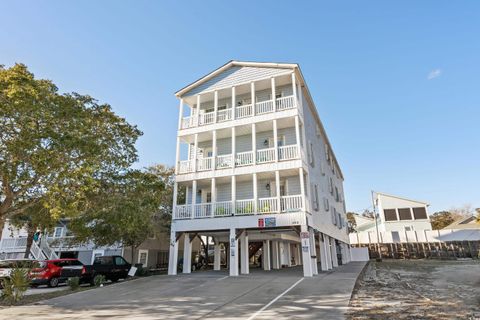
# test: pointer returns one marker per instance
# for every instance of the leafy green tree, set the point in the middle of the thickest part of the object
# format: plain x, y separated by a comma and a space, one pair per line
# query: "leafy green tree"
55, 148
126, 209
351, 222
441, 219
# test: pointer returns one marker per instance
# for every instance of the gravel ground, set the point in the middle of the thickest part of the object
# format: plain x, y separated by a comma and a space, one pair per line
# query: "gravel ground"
418, 289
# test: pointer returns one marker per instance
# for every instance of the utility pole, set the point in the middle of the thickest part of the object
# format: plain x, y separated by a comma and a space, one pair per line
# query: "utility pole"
376, 226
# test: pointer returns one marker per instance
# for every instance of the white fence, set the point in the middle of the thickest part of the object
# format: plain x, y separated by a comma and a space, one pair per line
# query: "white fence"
421, 236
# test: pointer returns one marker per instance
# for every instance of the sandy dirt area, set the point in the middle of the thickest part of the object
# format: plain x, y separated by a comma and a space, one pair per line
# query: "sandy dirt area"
417, 289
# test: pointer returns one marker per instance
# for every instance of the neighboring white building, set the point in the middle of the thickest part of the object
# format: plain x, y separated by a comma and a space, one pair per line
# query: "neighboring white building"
55, 245
257, 166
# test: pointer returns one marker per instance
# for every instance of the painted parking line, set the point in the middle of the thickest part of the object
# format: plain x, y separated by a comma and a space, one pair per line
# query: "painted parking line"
253, 316
222, 278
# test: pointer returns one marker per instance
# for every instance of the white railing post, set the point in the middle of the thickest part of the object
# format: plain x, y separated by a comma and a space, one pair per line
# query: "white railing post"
177, 156
302, 188
180, 115
197, 115
214, 149
215, 106
234, 151
252, 89
175, 196
194, 198
277, 186
254, 143
195, 154
214, 197
274, 101
297, 131
234, 194
255, 194
234, 107
294, 87
275, 138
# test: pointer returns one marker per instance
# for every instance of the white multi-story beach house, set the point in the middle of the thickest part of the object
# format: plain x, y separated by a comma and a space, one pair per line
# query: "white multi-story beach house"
258, 171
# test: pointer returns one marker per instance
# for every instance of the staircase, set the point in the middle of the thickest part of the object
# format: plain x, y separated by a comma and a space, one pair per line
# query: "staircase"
42, 251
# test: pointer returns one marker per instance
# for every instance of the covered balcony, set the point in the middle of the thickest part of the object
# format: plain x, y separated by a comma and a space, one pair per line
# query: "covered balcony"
247, 145
238, 102
265, 193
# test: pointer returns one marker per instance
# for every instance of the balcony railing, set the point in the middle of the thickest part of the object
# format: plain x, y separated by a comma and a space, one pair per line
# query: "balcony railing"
292, 203
263, 107
289, 152
13, 243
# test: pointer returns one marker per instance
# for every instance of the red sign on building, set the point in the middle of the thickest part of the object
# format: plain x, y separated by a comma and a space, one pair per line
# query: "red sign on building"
261, 223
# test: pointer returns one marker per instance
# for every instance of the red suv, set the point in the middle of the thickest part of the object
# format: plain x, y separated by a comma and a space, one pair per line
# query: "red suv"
49, 272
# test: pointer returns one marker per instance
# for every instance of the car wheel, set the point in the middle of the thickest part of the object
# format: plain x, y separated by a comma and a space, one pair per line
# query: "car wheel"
34, 285
53, 282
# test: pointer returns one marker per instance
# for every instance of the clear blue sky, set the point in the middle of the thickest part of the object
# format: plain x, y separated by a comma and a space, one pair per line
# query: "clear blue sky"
396, 84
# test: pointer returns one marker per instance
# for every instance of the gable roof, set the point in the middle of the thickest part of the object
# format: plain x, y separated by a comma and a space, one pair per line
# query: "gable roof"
469, 222
401, 198
203, 81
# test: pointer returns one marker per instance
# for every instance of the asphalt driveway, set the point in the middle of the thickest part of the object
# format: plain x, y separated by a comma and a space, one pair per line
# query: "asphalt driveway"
282, 294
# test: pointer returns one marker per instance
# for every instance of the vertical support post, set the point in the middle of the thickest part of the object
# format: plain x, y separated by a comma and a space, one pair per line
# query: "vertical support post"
302, 188
234, 147
194, 197
297, 132
213, 191
195, 154
306, 251
173, 254
275, 255
275, 139
215, 106
233, 253
214, 149
234, 194
180, 115
289, 253
197, 113
334, 252
323, 254
254, 143
294, 87
187, 253
277, 186
175, 196
244, 259
177, 156
313, 252
255, 193
274, 100
266, 252
234, 104
252, 97
328, 251
216, 257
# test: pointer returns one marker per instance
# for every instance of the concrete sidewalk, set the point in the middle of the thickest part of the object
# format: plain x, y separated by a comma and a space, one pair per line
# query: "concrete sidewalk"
278, 294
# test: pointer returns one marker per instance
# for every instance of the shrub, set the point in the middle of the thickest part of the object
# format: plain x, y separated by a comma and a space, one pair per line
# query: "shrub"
74, 283
15, 286
99, 280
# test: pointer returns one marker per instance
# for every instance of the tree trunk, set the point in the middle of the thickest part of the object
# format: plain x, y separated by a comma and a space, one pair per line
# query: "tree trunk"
30, 232
206, 254
2, 225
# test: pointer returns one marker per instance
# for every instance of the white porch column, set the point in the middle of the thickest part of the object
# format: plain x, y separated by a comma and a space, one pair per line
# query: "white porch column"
213, 191
302, 189
194, 197
173, 254
234, 104
234, 147
266, 252
195, 153
254, 143
299, 254
297, 132
313, 247
244, 259
187, 253
275, 139
294, 87
214, 149
306, 251
349, 253
175, 196
180, 115
334, 252
277, 191
252, 96
275, 255
197, 113
233, 264
215, 106
177, 156
234, 194
255, 193
216, 257
274, 100
323, 254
